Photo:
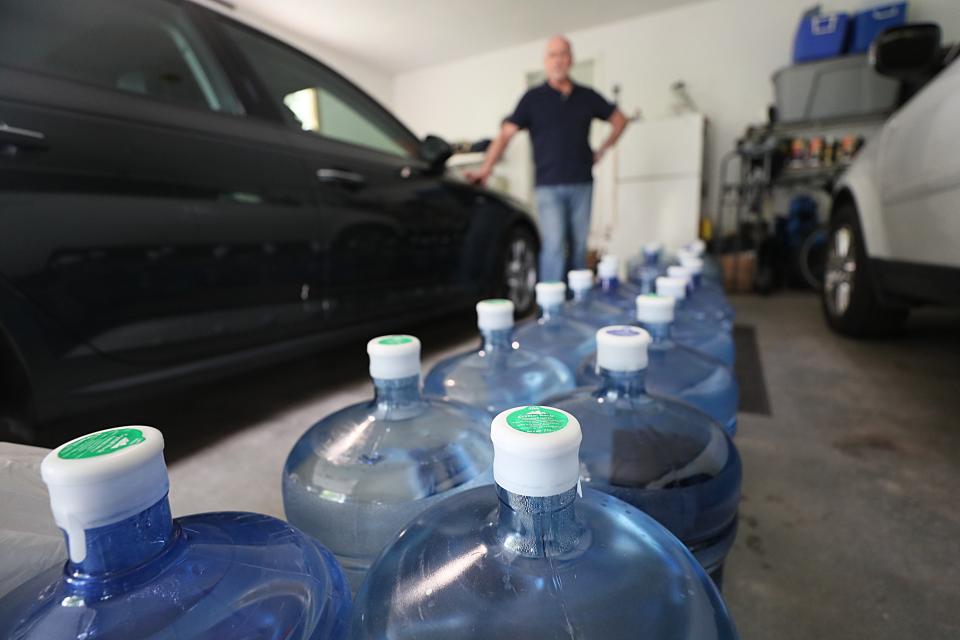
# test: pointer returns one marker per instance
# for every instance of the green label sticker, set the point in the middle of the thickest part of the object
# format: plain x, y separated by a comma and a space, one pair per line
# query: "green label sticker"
100, 444
537, 420
392, 340
497, 301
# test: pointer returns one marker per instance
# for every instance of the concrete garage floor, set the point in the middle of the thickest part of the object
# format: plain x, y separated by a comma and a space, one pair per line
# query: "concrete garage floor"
850, 521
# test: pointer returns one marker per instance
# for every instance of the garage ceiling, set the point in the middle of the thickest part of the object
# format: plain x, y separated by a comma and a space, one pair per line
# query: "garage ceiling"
399, 36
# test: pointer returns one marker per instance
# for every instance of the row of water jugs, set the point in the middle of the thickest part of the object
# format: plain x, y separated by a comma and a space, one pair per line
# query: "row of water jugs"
499, 500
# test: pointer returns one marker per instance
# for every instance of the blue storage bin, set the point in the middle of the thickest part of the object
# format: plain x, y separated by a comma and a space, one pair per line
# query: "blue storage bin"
870, 23
821, 36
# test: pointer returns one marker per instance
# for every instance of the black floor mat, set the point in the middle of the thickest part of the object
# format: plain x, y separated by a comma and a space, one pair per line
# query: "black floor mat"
749, 371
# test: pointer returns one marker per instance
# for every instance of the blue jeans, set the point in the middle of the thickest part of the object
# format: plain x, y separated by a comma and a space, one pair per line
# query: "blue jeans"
564, 212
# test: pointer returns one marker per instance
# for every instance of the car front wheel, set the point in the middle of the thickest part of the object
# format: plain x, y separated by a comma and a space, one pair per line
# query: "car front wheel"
849, 297
519, 269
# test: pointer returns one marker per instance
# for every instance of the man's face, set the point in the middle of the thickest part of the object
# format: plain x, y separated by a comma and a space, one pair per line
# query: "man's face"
558, 60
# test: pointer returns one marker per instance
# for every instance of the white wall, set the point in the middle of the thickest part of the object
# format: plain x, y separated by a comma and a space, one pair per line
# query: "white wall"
725, 51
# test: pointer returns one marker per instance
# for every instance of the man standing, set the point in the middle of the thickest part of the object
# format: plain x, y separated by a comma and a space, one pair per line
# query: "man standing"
558, 114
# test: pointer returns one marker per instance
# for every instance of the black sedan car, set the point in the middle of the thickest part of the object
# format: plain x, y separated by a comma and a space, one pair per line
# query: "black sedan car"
182, 196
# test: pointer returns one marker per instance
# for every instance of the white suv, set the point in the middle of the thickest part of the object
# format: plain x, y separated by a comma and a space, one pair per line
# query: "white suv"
895, 225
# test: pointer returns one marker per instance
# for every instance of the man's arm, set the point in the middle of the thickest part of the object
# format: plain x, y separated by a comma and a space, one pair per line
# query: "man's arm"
496, 149
619, 122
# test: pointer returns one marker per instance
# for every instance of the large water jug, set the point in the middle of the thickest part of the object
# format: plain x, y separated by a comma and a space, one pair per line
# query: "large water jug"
710, 337
611, 289
358, 475
502, 373
644, 270
698, 249
675, 371
554, 333
704, 287
136, 572
532, 557
700, 304
585, 306
666, 458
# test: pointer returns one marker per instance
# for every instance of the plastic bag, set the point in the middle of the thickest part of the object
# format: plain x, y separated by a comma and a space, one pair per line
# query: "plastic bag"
30, 541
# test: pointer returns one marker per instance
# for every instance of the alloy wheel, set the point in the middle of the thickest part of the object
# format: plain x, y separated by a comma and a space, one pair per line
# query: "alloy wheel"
521, 273
840, 271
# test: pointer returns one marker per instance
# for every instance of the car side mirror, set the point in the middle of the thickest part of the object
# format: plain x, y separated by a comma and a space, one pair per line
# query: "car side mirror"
435, 151
909, 52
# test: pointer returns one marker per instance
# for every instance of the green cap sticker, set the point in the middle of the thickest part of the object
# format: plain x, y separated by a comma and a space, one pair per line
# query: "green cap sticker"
100, 444
537, 420
393, 340
497, 301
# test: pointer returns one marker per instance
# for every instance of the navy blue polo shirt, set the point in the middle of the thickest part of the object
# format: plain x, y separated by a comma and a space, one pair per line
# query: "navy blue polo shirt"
560, 127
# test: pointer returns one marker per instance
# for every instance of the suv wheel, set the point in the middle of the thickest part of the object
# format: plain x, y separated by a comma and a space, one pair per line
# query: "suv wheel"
849, 296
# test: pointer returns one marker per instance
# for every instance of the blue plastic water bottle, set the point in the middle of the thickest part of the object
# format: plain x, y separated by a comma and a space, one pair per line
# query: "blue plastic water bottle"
700, 304
709, 337
533, 558
502, 373
698, 249
643, 272
136, 572
585, 307
705, 288
357, 476
554, 333
666, 458
676, 372
612, 290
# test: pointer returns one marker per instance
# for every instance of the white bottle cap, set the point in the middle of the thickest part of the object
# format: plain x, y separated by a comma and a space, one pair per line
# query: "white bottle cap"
536, 451
653, 247
691, 262
551, 294
580, 279
103, 478
654, 309
676, 271
622, 348
394, 357
697, 247
495, 314
673, 287
609, 267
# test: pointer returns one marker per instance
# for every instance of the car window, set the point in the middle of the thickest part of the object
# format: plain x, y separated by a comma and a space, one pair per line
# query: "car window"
314, 98
144, 47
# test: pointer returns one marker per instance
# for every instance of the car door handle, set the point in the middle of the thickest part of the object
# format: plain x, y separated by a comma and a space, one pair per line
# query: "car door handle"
24, 138
340, 176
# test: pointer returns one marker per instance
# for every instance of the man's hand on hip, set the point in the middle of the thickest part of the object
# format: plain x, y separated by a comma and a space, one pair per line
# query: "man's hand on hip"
479, 176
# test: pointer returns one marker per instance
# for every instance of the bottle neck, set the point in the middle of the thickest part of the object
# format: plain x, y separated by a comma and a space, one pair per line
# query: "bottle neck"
539, 527
659, 331
581, 296
609, 285
391, 395
499, 340
550, 312
127, 544
625, 383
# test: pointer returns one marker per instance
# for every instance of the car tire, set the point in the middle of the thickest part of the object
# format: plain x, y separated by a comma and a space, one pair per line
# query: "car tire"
518, 269
849, 294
